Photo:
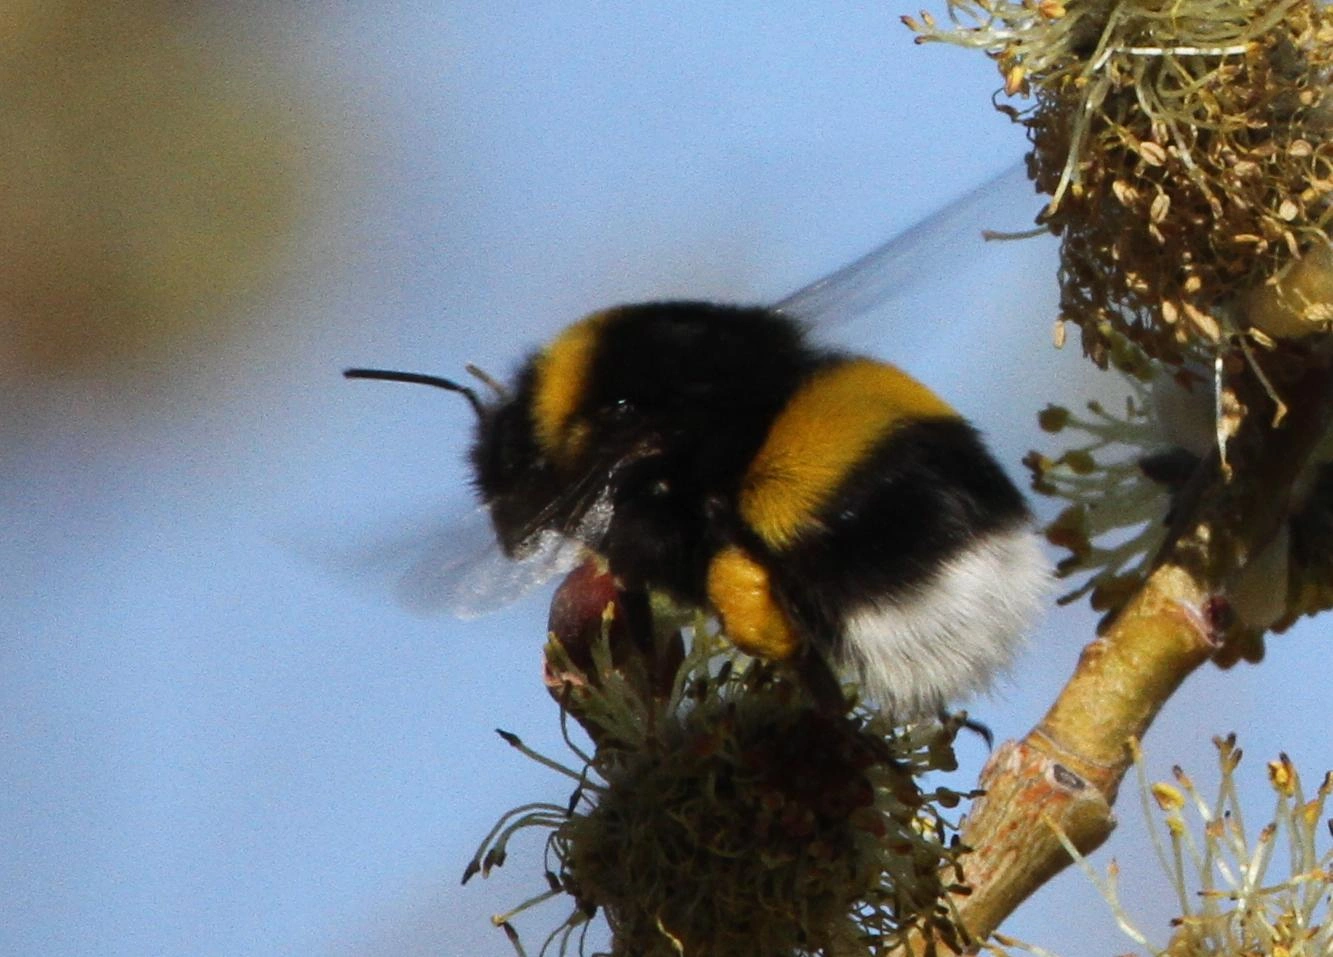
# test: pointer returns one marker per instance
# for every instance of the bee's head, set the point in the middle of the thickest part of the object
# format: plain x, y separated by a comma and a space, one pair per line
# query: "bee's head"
508, 470
511, 471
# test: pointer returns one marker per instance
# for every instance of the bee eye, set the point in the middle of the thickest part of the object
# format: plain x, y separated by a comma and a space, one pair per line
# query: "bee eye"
621, 413
660, 488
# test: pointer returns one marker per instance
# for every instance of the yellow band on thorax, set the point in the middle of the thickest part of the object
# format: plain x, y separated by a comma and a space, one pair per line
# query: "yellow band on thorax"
562, 373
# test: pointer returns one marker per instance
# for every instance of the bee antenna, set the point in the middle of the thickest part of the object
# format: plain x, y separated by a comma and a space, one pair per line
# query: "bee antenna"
389, 375
484, 377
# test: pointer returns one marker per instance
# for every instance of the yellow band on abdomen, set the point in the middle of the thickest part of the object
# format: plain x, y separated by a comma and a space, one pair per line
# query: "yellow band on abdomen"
825, 431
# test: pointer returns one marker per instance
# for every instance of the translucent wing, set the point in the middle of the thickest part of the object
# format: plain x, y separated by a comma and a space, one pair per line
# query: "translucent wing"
464, 571
945, 244
970, 317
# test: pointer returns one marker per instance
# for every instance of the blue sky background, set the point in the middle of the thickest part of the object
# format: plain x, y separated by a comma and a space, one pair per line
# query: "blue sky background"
216, 744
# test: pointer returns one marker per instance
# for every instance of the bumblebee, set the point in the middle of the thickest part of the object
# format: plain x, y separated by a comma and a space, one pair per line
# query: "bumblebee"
822, 505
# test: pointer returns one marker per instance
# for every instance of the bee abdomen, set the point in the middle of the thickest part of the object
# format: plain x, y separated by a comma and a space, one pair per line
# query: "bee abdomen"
951, 634
898, 546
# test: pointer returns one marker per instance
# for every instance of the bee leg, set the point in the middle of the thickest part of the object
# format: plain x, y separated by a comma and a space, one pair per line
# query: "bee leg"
971, 724
650, 660
638, 612
821, 682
